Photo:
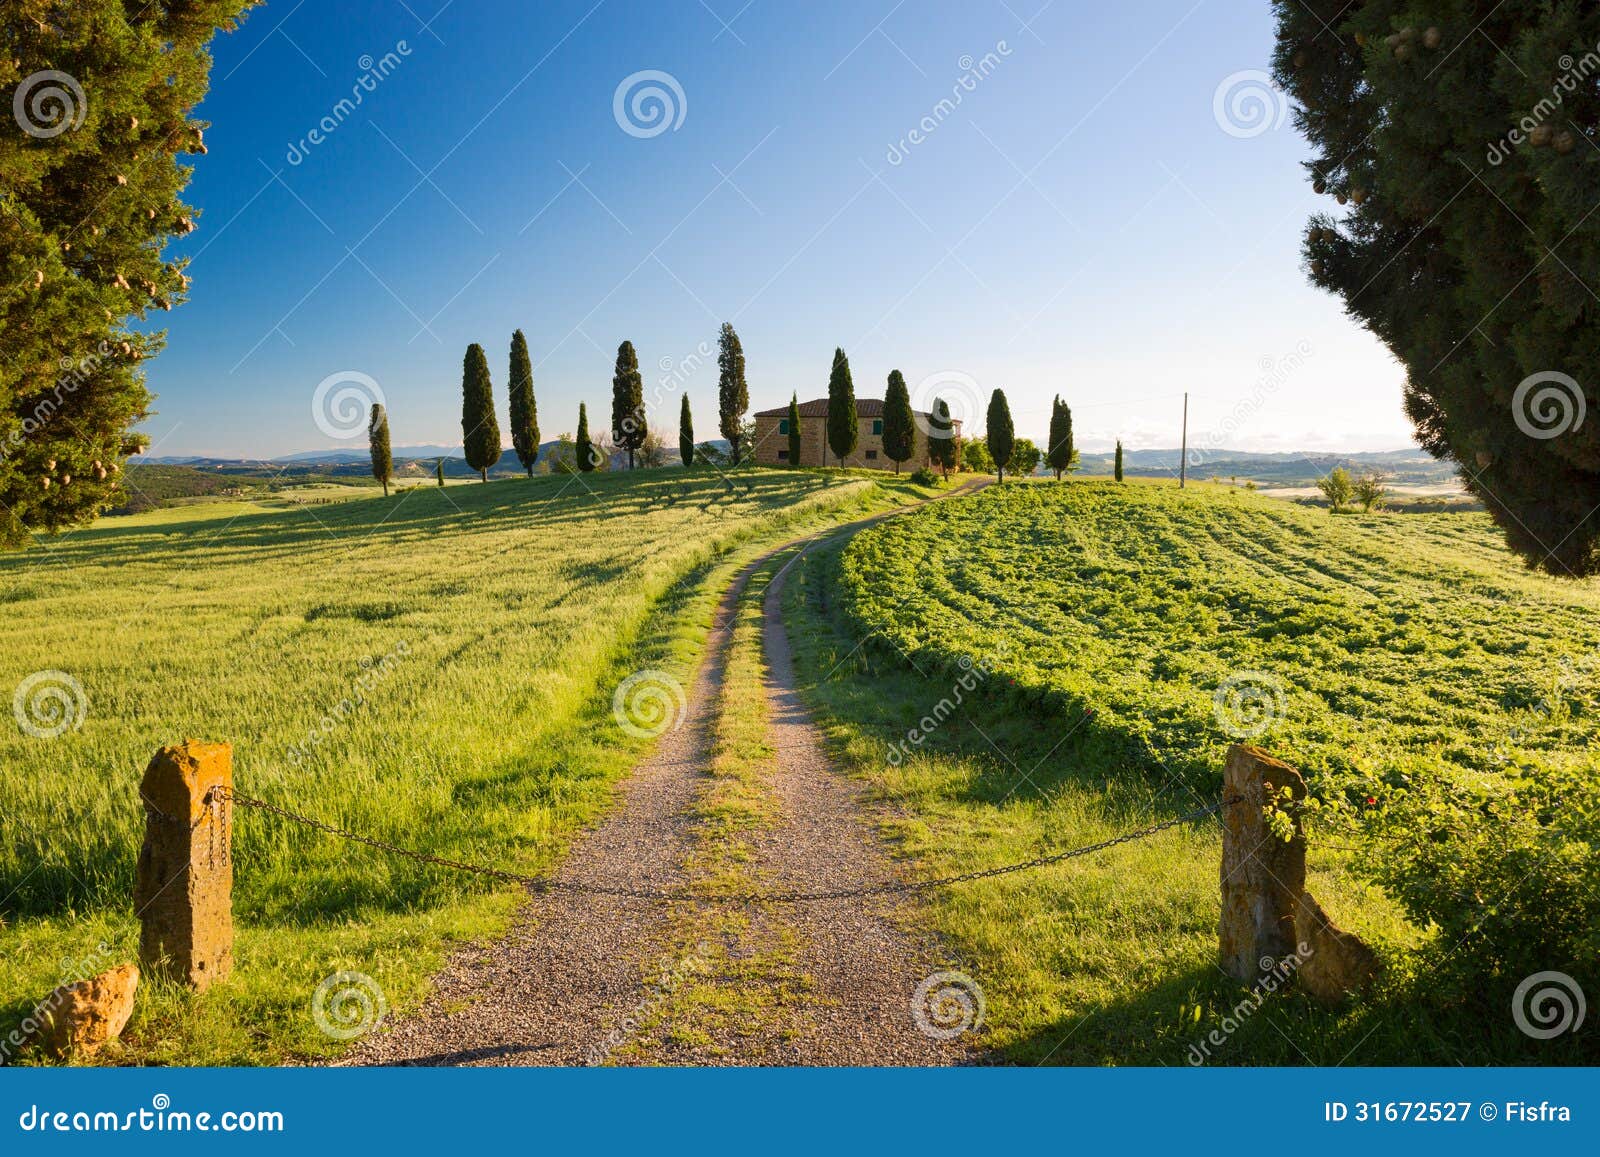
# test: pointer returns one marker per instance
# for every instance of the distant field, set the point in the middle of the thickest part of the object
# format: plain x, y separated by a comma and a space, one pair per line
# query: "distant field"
477, 631
1107, 619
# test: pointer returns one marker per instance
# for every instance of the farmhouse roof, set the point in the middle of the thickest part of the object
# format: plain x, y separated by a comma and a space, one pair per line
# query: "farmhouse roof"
818, 408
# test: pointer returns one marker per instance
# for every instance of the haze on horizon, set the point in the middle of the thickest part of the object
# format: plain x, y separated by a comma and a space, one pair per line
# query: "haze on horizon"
1108, 204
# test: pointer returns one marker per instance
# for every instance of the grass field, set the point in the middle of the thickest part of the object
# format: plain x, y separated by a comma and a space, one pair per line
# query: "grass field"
1089, 628
433, 669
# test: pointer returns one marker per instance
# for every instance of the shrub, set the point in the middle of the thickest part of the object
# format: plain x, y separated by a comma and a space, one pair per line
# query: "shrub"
925, 477
1337, 488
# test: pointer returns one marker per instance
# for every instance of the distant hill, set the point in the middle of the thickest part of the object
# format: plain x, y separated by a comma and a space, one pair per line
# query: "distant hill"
1409, 467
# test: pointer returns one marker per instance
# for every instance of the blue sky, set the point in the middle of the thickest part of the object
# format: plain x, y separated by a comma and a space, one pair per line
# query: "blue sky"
1087, 219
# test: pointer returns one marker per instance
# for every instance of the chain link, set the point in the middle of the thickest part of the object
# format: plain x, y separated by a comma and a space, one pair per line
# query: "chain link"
682, 895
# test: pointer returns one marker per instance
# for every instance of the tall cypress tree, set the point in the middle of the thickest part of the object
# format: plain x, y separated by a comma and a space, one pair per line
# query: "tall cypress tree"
942, 436
685, 434
794, 429
480, 431
628, 427
843, 430
1117, 469
1001, 435
378, 444
524, 411
97, 100
899, 424
438, 472
1060, 451
733, 394
583, 449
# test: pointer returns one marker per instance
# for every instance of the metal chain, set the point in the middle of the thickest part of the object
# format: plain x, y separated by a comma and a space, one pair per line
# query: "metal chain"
673, 895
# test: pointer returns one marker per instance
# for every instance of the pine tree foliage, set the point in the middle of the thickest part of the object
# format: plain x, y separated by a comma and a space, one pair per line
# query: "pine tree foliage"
584, 452
1117, 468
733, 393
628, 429
1458, 142
899, 423
1060, 452
942, 436
685, 434
480, 431
794, 429
1000, 435
98, 96
378, 444
524, 409
843, 429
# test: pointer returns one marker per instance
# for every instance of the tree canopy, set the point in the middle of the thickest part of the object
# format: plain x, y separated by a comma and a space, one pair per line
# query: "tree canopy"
524, 410
843, 429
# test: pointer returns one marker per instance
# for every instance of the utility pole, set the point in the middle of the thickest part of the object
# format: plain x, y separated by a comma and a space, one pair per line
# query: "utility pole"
1183, 457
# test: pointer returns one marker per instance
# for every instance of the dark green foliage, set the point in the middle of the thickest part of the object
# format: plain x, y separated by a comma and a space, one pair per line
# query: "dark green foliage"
628, 427
583, 449
1060, 452
1462, 162
794, 429
685, 434
925, 477
1025, 457
480, 431
942, 437
1117, 468
1000, 434
843, 431
733, 395
975, 457
89, 197
438, 472
899, 424
378, 443
524, 410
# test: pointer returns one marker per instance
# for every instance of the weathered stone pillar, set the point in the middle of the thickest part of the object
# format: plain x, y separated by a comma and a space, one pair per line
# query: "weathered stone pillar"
1263, 876
184, 893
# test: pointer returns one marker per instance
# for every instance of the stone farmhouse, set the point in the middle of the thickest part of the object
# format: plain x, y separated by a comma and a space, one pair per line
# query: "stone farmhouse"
772, 437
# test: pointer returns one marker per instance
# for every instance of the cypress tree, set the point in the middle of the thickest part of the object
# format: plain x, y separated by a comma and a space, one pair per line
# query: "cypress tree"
479, 429
1001, 434
378, 444
899, 425
1117, 469
842, 428
524, 411
1060, 453
733, 395
97, 102
685, 434
942, 436
794, 429
583, 448
628, 427
438, 472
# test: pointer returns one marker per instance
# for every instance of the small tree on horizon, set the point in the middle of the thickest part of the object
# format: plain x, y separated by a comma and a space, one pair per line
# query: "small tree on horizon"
1000, 435
583, 448
1369, 491
438, 472
378, 442
942, 437
524, 412
479, 429
686, 434
1060, 453
1337, 488
794, 429
733, 394
1117, 468
628, 427
899, 423
843, 429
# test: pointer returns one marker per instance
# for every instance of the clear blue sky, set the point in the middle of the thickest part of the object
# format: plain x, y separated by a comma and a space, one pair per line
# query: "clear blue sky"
1080, 222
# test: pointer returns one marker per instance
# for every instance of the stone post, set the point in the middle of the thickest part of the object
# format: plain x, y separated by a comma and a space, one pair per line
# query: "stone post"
184, 893
1263, 876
